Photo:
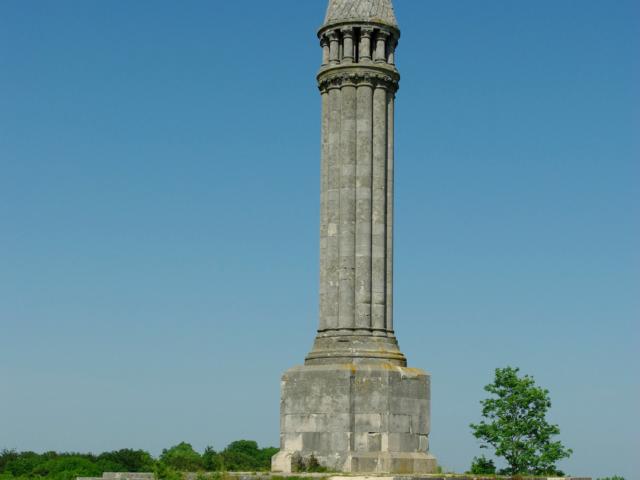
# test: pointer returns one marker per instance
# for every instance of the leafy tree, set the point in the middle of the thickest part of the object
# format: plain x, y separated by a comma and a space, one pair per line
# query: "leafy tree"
514, 424
482, 466
7, 456
211, 460
127, 460
241, 455
182, 457
244, 455
264, 457
163, 472
67, 467
22, 464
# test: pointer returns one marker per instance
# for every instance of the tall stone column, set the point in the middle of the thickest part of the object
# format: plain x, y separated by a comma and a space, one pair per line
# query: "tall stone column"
354, 405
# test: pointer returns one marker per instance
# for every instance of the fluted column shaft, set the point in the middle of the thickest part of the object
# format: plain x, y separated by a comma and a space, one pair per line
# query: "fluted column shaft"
379, 211
356, 226
356, 214
347, 233
330, 264
324, 179
363, 205
390, 205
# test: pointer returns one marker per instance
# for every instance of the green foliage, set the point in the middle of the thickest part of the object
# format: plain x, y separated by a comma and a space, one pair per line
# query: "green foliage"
7, 456
615, 477
243, 455
67, 468
211, 460
482, 466
514, 424
182, 457
163, 472
128, 460
27, 465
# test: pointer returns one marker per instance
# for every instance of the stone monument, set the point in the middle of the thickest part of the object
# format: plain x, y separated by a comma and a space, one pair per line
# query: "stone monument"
355, 405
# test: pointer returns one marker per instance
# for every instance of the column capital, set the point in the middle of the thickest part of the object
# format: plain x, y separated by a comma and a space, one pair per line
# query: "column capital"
333, 35
347, 31
366, 31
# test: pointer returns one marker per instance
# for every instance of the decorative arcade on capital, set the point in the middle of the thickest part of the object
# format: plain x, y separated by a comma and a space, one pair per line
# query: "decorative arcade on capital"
354, 405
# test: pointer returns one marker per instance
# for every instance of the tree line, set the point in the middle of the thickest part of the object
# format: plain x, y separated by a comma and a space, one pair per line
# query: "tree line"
241, 456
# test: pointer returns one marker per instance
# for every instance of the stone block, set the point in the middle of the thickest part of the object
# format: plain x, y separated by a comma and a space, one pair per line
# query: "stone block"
356, 418
368, 422
399, 423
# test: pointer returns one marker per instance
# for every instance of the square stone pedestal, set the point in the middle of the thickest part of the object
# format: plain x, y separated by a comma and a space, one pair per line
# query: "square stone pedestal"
356, 418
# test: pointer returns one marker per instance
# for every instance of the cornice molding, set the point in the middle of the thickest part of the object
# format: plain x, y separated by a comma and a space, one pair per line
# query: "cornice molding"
348, 78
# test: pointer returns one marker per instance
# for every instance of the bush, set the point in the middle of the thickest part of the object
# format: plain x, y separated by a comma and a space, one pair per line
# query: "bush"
245, 456
211, 460
7, 456
127, 460
482, 466
182, 457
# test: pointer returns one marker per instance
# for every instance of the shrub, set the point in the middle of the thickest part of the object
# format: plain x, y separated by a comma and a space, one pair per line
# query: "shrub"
482, 466
211, 460
127, 460
182, 457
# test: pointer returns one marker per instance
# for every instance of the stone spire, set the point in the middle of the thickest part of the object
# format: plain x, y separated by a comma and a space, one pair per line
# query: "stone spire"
354, 406
376, 11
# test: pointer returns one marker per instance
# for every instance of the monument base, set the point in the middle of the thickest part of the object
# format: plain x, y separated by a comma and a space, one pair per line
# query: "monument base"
355, 418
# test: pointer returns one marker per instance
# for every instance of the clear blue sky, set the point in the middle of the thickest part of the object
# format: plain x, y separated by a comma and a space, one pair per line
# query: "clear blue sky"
159, 173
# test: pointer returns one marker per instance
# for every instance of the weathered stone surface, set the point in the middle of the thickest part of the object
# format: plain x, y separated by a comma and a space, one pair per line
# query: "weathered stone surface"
356, 418
361, 10
122, 476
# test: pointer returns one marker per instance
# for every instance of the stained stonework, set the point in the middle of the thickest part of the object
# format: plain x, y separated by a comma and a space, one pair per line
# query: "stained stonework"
361, 10
355, 405
370, 418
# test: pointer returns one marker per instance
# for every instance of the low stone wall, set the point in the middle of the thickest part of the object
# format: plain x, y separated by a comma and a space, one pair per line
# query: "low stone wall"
319, 476
122, 476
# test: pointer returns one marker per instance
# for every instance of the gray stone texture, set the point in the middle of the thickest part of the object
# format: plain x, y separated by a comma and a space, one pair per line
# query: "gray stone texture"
122, 476
355, 405
356, 418
380, 11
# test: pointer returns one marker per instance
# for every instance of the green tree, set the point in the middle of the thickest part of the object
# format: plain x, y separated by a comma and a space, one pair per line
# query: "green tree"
245, 456
241, 455
182, 457
7, 456
68, 467
22, 464
211, 460
126, 460
482, 466
514, 424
